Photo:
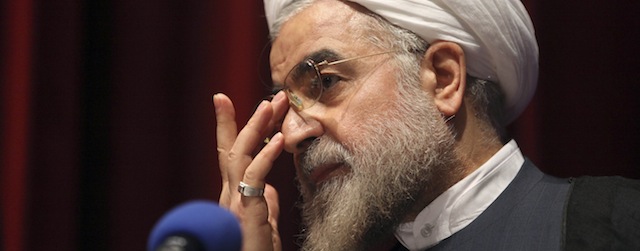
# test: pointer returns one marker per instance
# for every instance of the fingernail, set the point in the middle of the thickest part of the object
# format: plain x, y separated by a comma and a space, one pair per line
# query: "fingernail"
279, 96
262, 105
276, 137
215, 101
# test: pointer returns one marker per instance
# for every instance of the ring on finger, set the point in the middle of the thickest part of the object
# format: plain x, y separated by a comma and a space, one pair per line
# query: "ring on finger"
249, 191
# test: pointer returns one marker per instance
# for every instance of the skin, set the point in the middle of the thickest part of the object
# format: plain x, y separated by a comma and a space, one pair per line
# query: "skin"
322, 26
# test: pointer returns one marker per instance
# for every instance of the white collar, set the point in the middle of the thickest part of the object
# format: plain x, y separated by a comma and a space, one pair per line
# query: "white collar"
463, 202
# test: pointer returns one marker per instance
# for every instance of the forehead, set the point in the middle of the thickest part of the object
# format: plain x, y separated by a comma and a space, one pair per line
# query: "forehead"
325, 25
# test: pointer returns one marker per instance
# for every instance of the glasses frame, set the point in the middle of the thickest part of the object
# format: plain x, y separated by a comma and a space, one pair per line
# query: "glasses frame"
297, 101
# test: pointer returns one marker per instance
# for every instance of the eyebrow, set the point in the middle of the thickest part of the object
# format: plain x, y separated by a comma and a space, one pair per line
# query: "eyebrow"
324, 54
317, 57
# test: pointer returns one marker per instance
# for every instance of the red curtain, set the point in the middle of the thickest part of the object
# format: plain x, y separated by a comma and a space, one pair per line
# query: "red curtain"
107, 119
584, 119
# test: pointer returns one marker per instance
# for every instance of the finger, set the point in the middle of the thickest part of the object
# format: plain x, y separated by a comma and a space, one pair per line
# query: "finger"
241, 154
258, 169
225, 197
258, 220
226, 130
271, 196
280, 106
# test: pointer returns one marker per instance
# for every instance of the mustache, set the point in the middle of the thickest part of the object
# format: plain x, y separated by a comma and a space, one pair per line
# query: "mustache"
324, 150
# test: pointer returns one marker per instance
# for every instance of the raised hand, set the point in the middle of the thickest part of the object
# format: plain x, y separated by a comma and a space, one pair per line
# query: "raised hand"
258, 214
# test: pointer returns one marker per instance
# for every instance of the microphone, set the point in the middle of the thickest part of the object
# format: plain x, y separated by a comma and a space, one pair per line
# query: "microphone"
196, 226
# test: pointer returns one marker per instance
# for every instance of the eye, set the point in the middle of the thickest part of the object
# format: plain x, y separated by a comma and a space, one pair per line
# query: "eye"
329, 80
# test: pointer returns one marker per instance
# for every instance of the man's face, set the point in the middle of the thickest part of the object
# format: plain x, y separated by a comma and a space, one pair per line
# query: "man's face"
365, 151
325, 31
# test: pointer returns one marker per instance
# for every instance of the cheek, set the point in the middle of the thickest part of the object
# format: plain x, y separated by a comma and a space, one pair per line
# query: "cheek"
357, 129
369, 106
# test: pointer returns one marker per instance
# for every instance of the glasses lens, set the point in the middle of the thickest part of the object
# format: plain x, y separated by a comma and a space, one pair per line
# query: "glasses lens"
303, 86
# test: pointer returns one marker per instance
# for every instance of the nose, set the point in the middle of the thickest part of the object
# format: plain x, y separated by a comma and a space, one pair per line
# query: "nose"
299, 131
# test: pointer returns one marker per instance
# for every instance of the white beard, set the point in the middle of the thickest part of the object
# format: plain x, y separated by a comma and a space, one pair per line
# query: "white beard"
390, 165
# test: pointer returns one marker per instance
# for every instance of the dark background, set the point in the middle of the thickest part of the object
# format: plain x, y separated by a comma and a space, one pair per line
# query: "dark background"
107, 120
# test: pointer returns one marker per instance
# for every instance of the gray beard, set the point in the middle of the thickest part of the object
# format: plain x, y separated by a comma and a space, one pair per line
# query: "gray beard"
390, 163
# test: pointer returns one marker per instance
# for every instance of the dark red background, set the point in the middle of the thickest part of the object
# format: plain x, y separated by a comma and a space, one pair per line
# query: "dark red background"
107, 119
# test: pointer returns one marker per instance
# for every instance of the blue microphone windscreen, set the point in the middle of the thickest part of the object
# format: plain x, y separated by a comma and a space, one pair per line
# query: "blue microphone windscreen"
215, 227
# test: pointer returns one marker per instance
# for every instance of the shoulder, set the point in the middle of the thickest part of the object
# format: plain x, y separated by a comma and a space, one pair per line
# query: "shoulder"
603, 213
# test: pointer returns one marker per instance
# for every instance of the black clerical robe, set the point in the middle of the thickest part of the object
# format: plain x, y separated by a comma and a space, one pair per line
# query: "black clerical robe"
541, 212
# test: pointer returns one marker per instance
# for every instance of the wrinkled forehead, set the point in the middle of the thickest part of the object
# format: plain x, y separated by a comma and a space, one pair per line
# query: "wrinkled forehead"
325, 25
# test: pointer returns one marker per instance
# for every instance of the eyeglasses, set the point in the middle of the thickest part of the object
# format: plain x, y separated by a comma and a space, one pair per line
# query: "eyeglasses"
304, 84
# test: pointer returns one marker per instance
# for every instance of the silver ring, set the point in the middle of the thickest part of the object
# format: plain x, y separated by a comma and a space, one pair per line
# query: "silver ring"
250, 191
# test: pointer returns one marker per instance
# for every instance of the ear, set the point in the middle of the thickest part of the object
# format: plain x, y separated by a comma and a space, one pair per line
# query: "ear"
443, 74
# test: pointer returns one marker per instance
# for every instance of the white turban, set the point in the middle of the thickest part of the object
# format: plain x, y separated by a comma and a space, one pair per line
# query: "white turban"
497, 37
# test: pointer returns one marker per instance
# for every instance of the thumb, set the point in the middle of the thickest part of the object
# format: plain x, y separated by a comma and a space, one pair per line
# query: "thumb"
271, 196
